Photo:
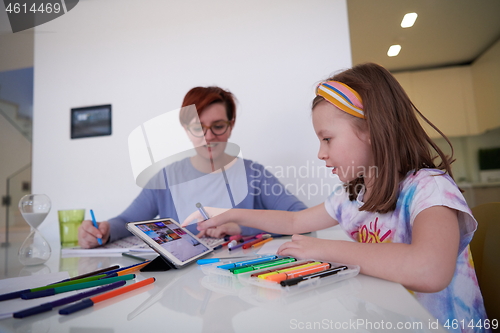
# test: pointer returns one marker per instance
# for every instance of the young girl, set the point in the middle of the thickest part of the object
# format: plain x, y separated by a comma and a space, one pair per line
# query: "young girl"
409, 218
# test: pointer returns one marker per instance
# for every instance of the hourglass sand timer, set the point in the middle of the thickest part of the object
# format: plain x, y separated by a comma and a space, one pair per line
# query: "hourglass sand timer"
35, 249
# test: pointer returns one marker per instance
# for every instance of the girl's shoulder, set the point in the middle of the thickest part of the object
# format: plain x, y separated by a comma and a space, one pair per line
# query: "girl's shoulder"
429, 187
427, 177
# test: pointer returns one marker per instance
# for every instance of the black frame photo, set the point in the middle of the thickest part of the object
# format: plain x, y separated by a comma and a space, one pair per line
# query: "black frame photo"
91, 121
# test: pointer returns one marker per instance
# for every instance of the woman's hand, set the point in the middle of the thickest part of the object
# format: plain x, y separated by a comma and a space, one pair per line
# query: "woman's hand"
304, 247
88, 234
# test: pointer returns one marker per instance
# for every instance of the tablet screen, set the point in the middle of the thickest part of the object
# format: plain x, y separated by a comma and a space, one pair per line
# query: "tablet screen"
173, 239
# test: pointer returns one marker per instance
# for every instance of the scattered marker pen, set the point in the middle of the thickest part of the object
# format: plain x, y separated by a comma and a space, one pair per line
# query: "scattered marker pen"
78, 286
236, 246
247, 245
88, 302
262, 242
67, 300
232, 243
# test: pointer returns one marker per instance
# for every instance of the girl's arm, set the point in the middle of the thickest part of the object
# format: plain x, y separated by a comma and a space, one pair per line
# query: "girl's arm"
425, 265
275, 221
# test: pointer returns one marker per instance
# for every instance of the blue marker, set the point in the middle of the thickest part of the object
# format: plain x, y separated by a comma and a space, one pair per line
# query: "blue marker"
247, 262
202, 211
94, 222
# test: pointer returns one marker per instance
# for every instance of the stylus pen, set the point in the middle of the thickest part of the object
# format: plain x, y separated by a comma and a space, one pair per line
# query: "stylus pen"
202, 210
94, 222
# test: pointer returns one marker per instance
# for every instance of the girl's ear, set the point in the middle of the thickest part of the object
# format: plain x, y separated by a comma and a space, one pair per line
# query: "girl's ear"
365, 136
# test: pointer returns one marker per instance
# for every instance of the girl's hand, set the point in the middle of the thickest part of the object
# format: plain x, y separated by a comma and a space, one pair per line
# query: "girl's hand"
197, 217
304, 247
230, 228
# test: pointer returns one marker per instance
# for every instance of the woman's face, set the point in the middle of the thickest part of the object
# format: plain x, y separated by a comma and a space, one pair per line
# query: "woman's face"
211, 146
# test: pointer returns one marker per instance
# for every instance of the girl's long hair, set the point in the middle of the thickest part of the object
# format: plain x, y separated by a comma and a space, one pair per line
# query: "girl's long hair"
399, 143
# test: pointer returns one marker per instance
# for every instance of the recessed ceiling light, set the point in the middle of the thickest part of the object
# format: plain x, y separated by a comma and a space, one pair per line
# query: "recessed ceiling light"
394, 50
408, 20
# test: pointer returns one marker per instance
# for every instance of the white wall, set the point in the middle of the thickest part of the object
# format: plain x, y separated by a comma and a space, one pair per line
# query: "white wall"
143, 56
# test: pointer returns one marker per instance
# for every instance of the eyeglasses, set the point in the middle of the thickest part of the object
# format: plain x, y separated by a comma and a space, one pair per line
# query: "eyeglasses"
218, 128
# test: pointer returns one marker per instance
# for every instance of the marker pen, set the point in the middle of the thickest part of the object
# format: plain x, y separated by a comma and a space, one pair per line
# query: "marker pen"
298, 272
247, 262
297, 280
263, 275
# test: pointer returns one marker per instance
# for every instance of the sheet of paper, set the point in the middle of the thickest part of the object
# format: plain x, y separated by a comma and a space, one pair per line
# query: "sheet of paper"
28, 282
128, 244
272, 246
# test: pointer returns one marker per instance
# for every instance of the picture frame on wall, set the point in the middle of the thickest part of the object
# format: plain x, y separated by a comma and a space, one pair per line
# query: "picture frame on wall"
91, 121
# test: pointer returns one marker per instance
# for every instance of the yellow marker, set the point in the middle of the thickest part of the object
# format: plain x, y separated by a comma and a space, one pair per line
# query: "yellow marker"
263, 276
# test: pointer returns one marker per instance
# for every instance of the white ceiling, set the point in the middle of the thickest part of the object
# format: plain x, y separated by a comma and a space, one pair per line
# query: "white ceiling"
447, 32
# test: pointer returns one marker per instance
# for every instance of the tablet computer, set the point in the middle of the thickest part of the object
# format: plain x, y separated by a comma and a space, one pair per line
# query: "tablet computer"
173, 242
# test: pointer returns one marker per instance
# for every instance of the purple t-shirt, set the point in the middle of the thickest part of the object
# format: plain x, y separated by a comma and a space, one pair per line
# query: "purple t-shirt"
264, 192
462, 299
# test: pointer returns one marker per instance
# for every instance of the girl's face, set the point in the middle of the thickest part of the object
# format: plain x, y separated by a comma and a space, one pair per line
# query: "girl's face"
342, 146
211, 146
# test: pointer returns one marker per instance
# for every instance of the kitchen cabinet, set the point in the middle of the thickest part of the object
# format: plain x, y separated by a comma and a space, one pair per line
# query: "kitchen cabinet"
445, 96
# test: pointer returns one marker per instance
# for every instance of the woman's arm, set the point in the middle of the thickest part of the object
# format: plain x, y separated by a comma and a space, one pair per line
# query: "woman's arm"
425, 265
275, 221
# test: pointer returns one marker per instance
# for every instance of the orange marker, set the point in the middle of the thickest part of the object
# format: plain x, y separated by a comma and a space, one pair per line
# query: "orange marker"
298, 272
86, 303
258, 240
262, 242
300, 266
132, 269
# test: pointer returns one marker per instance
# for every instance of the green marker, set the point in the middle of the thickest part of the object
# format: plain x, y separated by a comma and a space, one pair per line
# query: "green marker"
68, 283
78, 286
263, 265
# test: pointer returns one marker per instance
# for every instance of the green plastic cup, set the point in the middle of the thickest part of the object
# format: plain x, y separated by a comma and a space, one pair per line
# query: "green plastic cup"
69, 221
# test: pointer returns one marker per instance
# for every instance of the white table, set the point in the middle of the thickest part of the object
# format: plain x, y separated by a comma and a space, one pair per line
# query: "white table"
186, 300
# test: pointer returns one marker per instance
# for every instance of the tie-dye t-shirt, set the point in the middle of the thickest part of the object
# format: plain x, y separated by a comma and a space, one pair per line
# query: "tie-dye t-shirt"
461, 301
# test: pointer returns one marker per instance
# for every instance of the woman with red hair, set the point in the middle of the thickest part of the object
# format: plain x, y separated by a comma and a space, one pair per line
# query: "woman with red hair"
208, 125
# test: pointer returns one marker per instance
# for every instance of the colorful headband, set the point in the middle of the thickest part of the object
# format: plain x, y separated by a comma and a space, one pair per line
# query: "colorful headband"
342, 96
